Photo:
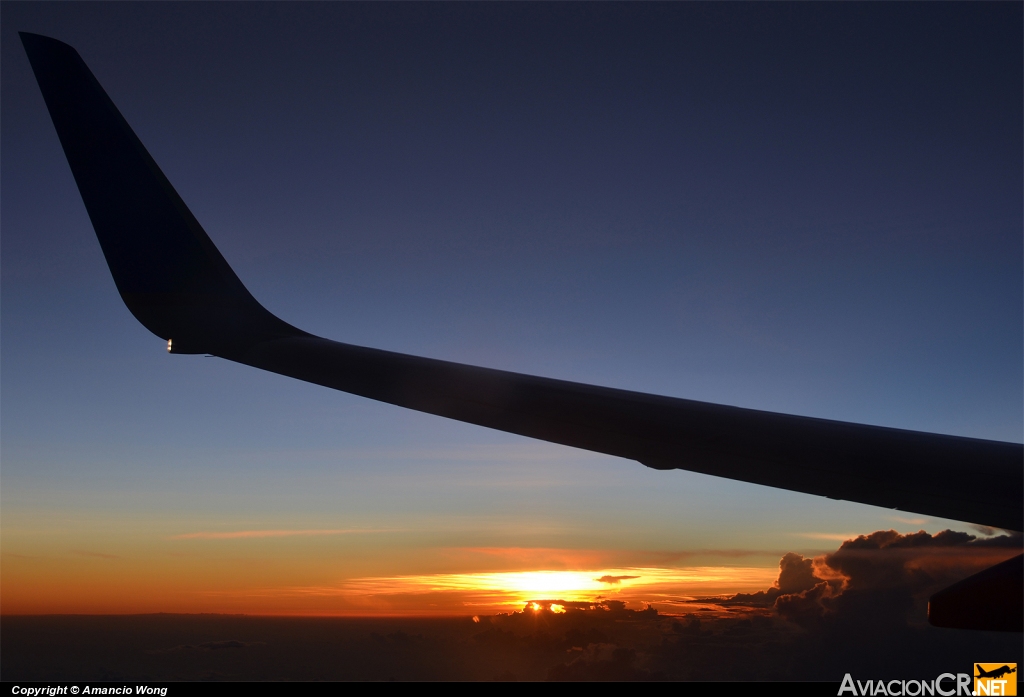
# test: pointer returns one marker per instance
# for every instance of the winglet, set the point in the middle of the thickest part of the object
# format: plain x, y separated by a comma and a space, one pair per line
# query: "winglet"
167, 270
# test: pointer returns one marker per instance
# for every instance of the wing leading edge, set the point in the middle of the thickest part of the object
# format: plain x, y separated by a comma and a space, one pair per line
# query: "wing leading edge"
177, 284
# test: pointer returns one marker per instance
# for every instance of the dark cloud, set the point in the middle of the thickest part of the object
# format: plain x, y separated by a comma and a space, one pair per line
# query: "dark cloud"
873, 594
574, 606
601, 662
614, 579
907, 564
914, 563
796, 574
808, 607
856, 609
890, 539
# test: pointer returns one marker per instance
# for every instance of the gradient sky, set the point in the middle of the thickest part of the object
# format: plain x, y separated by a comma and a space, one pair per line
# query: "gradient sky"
807, 208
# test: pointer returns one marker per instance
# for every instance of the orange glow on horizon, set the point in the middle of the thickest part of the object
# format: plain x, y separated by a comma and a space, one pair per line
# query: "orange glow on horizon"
117, 585
270, 583
510, 591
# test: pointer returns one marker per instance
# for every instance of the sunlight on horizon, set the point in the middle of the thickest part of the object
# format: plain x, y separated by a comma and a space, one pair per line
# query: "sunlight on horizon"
514, 589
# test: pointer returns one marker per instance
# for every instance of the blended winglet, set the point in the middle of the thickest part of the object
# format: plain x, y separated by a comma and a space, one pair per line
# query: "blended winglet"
167, 270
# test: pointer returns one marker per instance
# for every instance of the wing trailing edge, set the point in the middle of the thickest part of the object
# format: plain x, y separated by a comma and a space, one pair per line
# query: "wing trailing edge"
176, 283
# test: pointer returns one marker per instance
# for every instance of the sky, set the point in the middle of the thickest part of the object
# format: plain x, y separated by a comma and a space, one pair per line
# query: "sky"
807, 208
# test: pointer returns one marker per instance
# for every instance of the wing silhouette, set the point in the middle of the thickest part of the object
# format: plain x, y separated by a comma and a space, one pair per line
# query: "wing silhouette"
177, 284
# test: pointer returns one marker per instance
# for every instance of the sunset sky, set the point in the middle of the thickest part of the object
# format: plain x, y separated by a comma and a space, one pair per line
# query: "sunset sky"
807, 208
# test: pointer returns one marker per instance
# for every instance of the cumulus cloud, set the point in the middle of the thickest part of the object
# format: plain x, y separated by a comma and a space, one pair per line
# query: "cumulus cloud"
916, 561
859, 609
885, 575
796, 574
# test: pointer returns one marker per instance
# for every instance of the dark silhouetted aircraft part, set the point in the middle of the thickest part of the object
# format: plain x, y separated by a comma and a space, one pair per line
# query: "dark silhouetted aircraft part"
169, 273
173, 279
990, 599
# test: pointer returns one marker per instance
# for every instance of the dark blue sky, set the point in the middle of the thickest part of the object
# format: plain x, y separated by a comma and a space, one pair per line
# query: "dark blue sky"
810, 208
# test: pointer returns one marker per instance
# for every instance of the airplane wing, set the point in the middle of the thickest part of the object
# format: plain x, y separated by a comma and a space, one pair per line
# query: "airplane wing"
177, 284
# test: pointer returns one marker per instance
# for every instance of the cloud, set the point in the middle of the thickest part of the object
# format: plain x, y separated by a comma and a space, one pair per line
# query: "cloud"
588, 641
884, 575
796, 574
860, 609
600, 662
1008, 539
841, 623
985, 530
808, 606
615, 580
245, 534
890, 539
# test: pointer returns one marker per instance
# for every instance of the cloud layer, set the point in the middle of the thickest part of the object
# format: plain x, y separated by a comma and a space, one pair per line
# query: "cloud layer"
858, 609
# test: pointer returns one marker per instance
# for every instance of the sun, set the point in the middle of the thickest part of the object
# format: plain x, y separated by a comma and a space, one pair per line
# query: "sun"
541, 582
557, 592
